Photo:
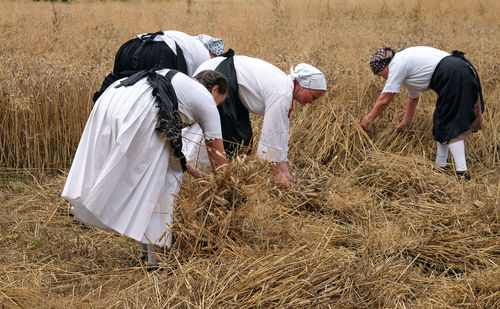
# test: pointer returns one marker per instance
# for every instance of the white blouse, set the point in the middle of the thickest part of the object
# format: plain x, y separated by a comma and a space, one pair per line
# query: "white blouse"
195, 53
196, 104
264, 90
413, 67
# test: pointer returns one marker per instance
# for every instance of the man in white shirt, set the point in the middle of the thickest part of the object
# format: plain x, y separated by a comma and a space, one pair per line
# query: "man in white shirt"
460, 103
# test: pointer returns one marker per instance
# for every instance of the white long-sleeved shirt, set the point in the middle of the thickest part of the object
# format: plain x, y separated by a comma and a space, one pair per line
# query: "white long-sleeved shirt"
264, 90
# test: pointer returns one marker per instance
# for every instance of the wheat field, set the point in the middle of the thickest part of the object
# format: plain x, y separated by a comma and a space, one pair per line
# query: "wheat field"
370, 222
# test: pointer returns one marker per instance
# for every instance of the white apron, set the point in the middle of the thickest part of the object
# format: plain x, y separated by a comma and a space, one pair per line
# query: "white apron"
123, 174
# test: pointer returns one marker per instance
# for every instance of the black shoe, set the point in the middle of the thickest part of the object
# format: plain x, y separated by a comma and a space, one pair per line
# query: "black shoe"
463, 175
153, 268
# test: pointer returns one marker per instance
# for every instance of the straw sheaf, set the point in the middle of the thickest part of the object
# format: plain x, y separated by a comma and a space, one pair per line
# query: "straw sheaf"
396, 177
212, 212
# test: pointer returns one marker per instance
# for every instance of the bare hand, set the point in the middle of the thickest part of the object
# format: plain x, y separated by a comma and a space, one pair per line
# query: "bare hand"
281, 175
365, 123
402, 126
192, 170
282, 181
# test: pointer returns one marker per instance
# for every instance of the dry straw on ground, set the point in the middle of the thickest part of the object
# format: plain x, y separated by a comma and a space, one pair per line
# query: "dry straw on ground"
370, 221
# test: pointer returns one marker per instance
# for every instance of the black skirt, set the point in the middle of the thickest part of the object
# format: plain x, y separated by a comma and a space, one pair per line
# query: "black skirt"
458, 86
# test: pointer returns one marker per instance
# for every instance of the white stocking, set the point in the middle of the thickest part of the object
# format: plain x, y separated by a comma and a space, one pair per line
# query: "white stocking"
152, 260
441, 154
143, 250
457, 150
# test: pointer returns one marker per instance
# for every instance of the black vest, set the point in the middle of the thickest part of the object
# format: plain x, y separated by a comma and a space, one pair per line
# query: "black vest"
234, 116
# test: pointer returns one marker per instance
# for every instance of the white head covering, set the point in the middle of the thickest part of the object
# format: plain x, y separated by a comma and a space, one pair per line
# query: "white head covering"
308, 76
214, 45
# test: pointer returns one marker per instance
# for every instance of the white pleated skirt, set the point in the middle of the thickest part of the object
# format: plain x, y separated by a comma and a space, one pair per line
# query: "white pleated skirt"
124, 175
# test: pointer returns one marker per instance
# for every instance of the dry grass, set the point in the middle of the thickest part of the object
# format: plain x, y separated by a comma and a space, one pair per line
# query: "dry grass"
241, 243
369, 223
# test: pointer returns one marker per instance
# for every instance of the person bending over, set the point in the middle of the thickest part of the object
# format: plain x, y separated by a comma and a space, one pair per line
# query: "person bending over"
459, 105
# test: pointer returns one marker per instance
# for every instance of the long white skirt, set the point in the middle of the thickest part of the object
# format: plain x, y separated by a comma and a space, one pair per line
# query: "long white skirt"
123, 176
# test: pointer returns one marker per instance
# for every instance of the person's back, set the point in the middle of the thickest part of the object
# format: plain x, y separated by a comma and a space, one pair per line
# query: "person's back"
413, 67
195, 52
162, 50
259, 81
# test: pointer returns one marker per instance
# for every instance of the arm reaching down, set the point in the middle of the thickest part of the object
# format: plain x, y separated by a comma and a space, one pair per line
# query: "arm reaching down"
216, 153
411, 105
380, 105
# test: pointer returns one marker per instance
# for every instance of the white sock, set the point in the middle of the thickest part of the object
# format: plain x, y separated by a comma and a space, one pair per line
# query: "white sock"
457, 150
152, 260
441, 154
143, 249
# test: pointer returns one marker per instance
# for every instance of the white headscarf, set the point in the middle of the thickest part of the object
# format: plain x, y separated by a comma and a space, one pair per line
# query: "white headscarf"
214, 45
308, 76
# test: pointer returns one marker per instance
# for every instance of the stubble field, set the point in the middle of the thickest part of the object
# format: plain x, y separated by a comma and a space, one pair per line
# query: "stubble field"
370, 222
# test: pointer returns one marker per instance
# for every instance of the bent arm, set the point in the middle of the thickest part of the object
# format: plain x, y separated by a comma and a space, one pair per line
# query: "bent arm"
411, 105
216, 153
273, 143
381, 104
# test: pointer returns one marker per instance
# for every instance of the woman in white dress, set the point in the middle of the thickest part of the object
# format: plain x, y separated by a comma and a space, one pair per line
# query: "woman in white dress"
129, 163
263, 89
459, 106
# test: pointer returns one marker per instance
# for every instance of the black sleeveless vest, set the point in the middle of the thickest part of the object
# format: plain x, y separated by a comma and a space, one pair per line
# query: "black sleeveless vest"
234, 116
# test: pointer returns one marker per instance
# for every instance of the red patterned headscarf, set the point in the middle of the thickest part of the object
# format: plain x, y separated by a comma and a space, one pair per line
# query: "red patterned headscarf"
381, 58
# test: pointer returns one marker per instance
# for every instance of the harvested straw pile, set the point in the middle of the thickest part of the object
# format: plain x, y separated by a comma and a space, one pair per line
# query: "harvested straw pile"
213, 213
241, 243
440, 209
395, 177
